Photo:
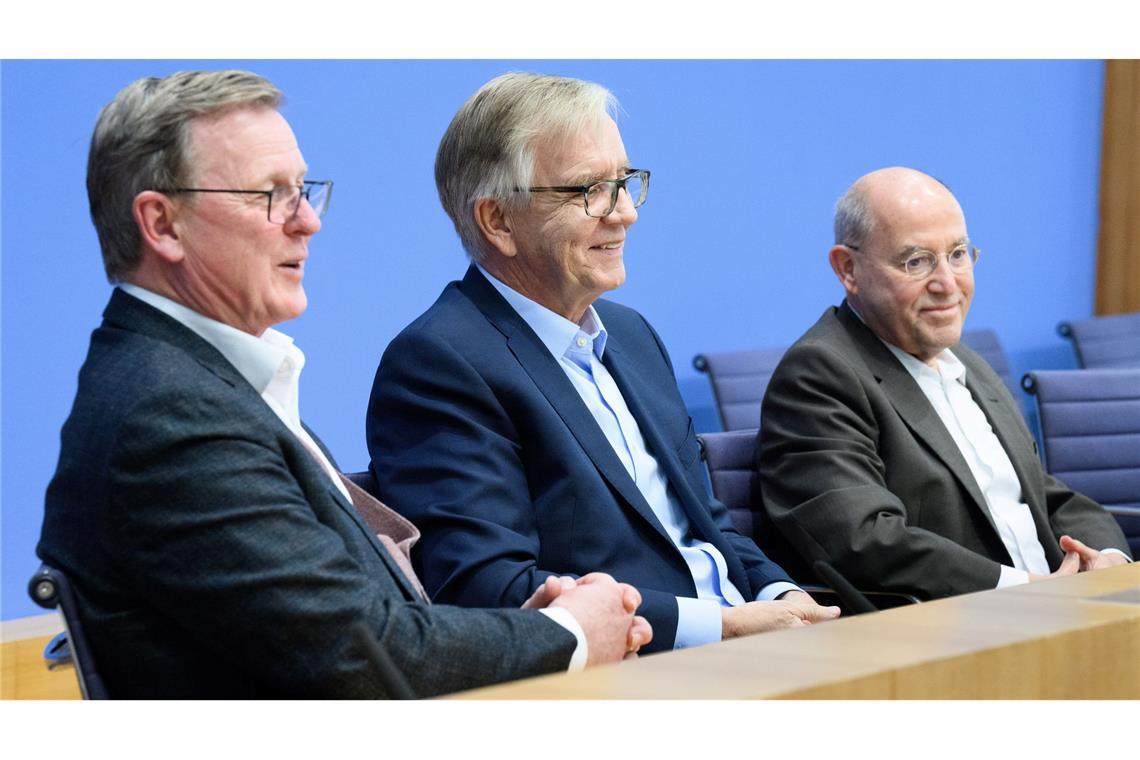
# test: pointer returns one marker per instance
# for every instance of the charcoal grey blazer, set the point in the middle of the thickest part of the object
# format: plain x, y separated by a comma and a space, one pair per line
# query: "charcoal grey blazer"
855, 467
213, 557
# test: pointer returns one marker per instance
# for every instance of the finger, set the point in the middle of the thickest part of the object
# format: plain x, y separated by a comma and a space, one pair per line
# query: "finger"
1070, 565
640, 633
818, 614
596, 578
1070, 544
631, 598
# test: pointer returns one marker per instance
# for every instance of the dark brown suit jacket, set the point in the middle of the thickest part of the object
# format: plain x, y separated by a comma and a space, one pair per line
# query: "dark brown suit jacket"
856, 467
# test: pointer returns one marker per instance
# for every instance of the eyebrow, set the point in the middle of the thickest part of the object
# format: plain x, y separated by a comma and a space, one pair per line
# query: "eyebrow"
586, 178
913, 249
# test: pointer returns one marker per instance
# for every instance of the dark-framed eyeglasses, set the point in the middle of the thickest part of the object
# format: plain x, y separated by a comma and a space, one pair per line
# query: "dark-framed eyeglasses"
283, 200
920, 264
601, 196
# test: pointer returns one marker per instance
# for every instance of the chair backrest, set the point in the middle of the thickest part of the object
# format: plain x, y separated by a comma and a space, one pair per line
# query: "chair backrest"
1099, 342
985, 344
739, 379
50, 588
365, 480
1090, 435
730, 458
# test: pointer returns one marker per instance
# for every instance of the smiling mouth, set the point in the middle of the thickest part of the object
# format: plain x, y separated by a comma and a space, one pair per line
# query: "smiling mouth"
941, 310
610, 246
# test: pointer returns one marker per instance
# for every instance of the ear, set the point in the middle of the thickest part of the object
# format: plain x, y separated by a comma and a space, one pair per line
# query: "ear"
156, 214
842, 261
495, 226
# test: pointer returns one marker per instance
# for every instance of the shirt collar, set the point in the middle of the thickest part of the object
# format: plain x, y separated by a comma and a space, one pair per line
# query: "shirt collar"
949, 366
556, 332
256, 358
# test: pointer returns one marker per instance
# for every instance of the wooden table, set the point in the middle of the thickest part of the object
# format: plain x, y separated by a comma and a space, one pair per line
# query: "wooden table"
24, 673
1068, 638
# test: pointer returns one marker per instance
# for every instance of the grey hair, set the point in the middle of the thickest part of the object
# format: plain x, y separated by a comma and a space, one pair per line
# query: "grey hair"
142, 142
488, 150
853, 218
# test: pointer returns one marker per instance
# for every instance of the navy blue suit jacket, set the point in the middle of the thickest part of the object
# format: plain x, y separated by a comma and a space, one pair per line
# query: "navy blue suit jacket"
213, 557
477, 435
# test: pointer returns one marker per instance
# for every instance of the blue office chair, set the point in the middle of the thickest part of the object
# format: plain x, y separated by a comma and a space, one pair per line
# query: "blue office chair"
740, 378
730, 458
1101, 342
50, 589
1090, 437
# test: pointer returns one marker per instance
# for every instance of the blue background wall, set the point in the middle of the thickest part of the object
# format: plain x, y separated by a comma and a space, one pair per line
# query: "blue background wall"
729, 252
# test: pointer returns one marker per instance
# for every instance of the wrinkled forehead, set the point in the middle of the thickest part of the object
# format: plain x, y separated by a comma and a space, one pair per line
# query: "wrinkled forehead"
244, 143
926, 216
592, 140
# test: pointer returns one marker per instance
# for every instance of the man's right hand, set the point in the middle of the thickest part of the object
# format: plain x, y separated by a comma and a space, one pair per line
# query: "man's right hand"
604, 608
755, 617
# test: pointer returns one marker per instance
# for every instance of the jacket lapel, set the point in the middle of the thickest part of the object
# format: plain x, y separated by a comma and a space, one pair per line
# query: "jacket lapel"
552, 382
635, 392
912, 406
1007, 428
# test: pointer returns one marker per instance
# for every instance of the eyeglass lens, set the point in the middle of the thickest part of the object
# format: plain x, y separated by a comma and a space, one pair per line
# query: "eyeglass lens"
286, 199
602, 197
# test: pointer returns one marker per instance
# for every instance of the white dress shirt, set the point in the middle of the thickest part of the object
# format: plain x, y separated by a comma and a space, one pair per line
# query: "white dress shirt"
272, 364
578, 349
944, 385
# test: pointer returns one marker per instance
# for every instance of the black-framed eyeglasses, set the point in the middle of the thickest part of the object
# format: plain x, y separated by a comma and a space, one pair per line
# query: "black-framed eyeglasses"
921, 264
283, 200
601, 196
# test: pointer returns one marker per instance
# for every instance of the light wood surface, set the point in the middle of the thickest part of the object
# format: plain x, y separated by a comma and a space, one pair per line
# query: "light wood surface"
1070, 638
24, 673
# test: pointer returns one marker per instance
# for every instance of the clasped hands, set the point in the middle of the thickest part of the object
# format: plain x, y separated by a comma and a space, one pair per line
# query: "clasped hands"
605, 610
1080, 558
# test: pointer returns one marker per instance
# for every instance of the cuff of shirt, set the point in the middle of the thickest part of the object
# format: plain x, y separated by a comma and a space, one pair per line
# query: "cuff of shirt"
1011, 576
698, 622
566, 619
773, 590
1116, 551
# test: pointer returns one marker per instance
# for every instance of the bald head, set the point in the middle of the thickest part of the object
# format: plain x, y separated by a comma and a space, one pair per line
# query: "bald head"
884, 196
883, 221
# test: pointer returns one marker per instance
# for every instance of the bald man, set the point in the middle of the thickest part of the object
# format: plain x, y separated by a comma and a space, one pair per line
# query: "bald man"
894, 452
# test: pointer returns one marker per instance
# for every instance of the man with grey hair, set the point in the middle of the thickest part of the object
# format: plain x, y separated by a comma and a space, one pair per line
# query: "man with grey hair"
530, 428
214, 548
894, 452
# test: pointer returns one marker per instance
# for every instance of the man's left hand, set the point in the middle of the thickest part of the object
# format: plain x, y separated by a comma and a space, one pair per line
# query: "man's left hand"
1091, 559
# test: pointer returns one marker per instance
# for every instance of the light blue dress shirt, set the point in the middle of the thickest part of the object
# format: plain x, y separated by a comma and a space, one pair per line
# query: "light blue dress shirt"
578, 350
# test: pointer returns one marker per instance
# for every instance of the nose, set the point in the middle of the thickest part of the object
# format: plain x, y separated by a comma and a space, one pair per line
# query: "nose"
624, 213
943, 279
305, 221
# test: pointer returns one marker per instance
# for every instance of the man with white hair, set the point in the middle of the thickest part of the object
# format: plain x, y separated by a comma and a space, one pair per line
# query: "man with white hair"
528, 426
